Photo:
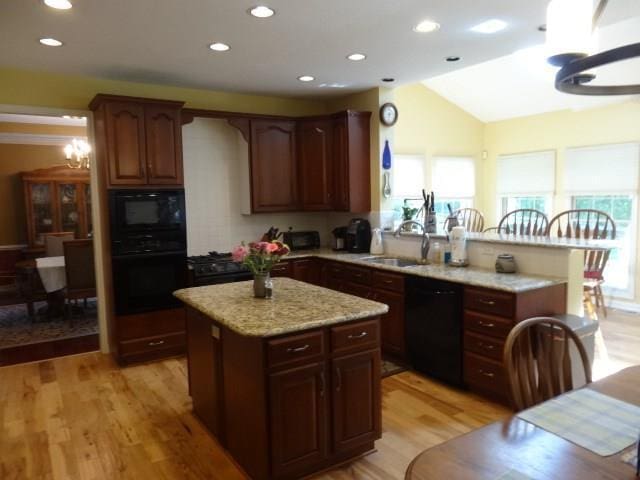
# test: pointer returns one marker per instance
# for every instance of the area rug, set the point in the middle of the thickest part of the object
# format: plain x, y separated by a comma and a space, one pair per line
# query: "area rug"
16, 328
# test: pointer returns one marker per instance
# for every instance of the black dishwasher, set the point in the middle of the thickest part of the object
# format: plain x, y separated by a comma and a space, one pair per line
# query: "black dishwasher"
434, 328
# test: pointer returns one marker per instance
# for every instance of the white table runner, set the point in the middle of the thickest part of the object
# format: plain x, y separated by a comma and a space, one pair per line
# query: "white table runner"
52, 274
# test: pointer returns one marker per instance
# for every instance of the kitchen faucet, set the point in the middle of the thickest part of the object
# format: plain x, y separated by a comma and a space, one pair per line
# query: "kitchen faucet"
424, 247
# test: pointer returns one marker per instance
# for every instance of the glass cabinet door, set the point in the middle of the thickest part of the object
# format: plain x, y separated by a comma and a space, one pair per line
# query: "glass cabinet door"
69, 211
42, 210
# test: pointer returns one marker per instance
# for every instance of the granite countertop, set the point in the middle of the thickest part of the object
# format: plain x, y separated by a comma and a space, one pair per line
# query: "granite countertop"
527, 240
480, 277
295, 306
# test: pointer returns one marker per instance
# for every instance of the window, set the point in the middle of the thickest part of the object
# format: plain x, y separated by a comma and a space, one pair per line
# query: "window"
454, 183
526, 181
408, 176
605, 178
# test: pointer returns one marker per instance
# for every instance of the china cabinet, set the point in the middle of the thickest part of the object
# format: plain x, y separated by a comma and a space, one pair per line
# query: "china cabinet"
57, 199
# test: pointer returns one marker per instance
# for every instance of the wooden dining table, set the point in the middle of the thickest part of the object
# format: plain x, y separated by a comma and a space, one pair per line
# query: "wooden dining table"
515, 446
32, 290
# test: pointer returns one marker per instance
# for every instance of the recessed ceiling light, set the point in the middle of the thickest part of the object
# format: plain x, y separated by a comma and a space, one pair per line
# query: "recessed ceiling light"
490, 26
262, 11
388, 79
356, 57
452, 58
426, 26
58, 4
219, 47
306, 78
50, 42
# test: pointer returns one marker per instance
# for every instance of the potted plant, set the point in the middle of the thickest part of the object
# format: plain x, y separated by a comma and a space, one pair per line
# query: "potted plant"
407, 214
259, 258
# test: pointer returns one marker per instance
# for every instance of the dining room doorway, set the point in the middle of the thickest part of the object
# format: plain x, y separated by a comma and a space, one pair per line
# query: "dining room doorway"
49, 303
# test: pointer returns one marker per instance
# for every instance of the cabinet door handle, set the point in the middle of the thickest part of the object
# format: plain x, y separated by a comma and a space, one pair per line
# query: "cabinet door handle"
486, 374
486, 302
155, 344
322, 384
298, 349
485, 346
338, 379
488, 325
358, 336
388, 282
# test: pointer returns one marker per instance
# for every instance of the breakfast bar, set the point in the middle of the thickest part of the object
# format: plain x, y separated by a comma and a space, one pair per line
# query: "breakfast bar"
288, 385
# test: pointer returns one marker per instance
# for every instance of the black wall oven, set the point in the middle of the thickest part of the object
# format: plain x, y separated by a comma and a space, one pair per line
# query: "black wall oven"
148, 247
146, 282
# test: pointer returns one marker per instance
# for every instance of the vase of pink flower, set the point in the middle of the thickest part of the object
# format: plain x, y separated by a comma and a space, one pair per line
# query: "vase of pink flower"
259, 258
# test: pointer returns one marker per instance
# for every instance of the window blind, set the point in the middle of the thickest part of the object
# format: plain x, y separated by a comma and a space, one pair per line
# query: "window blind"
603, 168
408, 176
454, 177
526, 173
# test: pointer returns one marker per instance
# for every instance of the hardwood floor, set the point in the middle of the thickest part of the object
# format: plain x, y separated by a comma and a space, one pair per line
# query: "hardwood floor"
82, 417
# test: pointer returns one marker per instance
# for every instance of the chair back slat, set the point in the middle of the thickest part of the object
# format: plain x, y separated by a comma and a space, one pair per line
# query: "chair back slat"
470, 218
537, 358
524, 221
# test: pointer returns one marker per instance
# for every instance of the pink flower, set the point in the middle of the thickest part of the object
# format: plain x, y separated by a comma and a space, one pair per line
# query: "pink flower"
239, 253
272, 247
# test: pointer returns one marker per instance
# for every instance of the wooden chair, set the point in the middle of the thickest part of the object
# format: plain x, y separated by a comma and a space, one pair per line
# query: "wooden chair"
587, 224
524, 221
493, 230
53, 243
470, 218
538, 362
80, 272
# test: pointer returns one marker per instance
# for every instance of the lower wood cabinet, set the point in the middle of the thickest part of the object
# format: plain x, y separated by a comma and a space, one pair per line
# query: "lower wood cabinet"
298, 399
286, 407
392, 323
356, 399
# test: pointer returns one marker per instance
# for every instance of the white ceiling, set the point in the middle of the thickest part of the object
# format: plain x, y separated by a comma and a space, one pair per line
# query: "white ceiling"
166, 41
521, 83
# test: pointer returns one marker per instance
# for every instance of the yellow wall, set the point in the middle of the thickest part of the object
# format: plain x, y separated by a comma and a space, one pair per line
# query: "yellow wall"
35, 129
43, 89
432, 126
557, 131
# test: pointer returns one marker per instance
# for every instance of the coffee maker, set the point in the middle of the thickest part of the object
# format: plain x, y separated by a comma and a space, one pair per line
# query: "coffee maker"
339, 238
358, 235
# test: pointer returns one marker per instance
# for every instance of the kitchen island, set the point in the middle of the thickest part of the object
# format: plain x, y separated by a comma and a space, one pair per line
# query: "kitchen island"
290, 385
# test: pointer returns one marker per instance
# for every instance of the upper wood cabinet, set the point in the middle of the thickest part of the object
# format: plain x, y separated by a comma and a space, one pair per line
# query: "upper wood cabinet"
138, 140
315, 161
351, 161
273, 161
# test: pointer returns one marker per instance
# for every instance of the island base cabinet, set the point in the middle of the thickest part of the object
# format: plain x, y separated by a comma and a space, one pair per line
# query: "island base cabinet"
298, 419
356, 400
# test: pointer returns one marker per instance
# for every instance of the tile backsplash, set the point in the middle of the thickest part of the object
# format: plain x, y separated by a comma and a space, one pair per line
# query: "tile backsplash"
217, 192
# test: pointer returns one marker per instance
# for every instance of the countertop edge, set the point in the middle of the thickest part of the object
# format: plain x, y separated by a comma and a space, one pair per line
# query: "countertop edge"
335, 256
376, 310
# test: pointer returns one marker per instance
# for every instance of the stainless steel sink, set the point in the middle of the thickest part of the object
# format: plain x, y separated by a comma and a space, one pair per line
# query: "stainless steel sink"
394, 262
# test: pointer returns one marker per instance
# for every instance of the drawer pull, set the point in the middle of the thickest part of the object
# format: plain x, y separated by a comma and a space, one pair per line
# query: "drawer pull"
358, 336
488, 325
298, 349
486, 374
487, 302
485, 346
388, 282
155, 344
357, 275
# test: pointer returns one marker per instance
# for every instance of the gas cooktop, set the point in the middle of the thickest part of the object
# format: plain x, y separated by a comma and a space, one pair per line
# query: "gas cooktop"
215, 263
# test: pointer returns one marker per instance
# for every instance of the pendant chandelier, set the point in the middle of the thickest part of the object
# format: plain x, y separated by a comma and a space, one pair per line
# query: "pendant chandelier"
571, 42
77, 154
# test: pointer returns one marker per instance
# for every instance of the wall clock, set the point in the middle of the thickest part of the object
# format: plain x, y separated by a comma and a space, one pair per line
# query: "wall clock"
388, 114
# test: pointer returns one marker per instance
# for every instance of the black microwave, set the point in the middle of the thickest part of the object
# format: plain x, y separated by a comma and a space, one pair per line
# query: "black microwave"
147, 221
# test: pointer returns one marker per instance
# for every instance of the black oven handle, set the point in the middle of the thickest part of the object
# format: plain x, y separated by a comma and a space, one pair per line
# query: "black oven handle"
151, 254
